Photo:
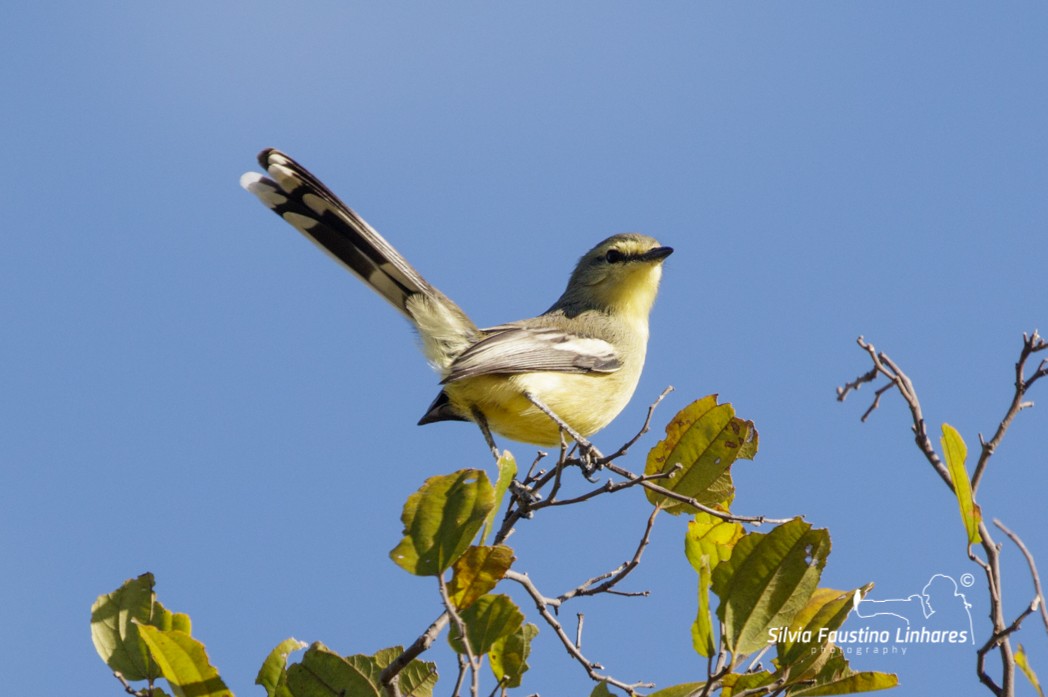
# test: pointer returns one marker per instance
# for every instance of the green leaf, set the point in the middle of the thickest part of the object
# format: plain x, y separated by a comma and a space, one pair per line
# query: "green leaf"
507, 467
767, 581
440, 520
478, 571
184, 663
509, 655
487, 620
705, 439
956, 452
837, 678
683, 690
417, 679
273, 673
1024, 666
115, 620
324, 673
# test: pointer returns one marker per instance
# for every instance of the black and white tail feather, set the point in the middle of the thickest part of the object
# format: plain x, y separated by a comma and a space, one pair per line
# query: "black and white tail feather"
310, 207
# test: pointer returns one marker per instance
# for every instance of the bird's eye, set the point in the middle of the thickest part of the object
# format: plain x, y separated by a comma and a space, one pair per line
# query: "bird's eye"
614, 256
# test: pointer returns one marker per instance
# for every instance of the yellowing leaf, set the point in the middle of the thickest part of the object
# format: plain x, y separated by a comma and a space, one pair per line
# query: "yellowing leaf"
702, 627
704, 438
273, 673
710, 536
184, 663
440, 520
802, 648
478, 571
509, 655
709, 542
956, 452
1024, 665
837, 678
683, 690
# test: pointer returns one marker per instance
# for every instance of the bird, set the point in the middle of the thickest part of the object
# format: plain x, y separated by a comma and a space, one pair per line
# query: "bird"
566, 373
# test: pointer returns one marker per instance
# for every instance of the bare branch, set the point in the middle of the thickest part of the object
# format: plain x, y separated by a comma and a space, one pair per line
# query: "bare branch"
1033, 569
526, 495
1000, 638
145, 692
648, 484
592, 668
1031, 344
612, 578
643, 429
854, 385
885, 366
474, 662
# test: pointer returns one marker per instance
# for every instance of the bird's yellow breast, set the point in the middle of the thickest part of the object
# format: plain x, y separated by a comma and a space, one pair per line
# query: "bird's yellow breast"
585, 401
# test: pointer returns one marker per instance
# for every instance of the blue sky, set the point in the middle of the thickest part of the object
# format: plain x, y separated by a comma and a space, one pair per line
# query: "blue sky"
193, 390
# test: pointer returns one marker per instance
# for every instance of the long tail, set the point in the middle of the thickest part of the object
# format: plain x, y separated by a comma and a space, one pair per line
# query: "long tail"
302, 200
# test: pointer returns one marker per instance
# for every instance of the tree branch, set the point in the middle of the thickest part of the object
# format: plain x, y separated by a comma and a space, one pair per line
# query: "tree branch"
611, 578
389, 674
1033, 570
1031, 344
591, 667
883, 365
474, 663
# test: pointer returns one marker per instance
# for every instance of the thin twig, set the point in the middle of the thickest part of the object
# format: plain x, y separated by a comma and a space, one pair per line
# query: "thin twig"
526, 497
647, 484
854, 385
1000, 638
146, 692
1033, 569
1031, 344
463, 666
592, 668
643, 429
612, 578
474, 662
421, 644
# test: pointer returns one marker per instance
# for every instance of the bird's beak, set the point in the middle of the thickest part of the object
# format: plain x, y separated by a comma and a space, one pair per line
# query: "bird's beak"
657, 254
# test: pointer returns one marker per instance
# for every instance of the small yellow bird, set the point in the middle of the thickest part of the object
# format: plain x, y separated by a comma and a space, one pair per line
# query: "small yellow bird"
570, 370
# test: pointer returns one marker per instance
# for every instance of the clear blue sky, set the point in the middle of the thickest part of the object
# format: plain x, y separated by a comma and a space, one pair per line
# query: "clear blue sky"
190, 388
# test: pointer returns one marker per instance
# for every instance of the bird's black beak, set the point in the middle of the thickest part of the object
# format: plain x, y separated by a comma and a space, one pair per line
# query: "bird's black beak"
657, 254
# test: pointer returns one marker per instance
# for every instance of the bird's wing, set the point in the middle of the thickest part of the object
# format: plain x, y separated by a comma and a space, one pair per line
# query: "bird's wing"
518, 348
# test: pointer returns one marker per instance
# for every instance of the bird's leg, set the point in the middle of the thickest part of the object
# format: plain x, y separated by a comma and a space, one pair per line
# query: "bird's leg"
478, 418
588, 451
524, 494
